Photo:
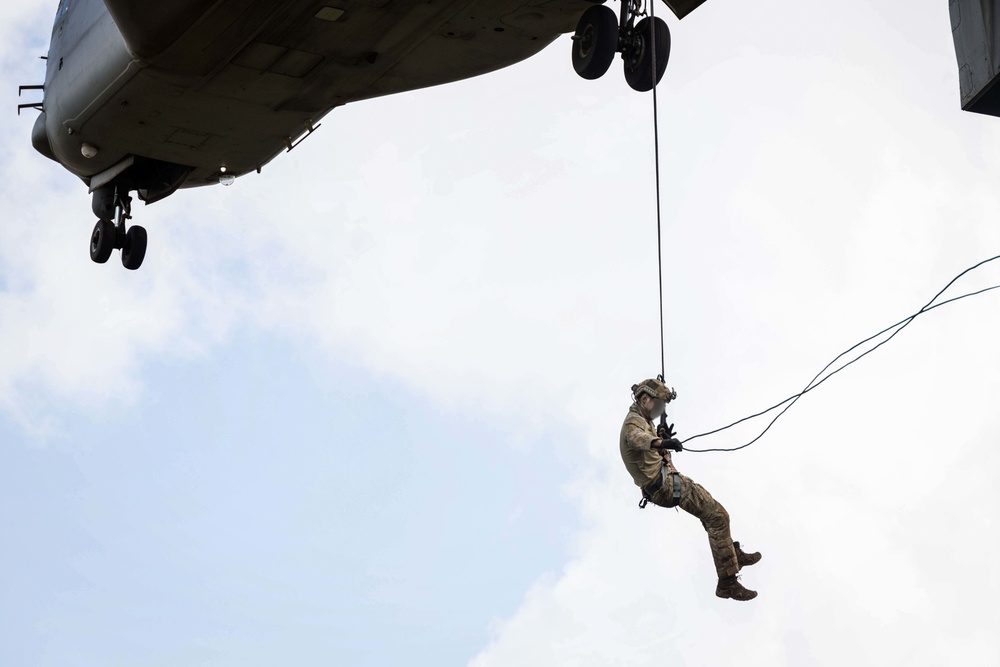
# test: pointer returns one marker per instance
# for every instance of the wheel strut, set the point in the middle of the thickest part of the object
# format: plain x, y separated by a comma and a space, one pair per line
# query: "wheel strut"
630, 11
123, 212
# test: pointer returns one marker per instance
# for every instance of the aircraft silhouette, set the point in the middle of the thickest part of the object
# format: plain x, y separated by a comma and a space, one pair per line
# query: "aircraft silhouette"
149, 97
974, 27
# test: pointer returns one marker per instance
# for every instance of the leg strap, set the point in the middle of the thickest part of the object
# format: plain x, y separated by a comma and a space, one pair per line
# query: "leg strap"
652, 488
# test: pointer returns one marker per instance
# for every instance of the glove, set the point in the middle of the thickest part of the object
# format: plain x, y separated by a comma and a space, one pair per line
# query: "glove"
665, 432
674, 444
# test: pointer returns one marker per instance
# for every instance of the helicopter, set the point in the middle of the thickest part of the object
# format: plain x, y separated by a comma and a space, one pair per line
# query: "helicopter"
149, 98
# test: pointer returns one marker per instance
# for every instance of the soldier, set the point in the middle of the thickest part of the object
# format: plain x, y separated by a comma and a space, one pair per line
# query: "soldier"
646, 453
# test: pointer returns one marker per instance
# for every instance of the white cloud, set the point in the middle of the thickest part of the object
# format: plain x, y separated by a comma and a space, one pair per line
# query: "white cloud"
491, 245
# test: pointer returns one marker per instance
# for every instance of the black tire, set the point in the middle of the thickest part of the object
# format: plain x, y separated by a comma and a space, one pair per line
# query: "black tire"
638, 64
595, 42
102, 241
135, 248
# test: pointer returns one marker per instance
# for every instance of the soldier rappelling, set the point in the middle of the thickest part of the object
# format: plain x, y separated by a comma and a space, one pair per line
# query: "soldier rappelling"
646, 453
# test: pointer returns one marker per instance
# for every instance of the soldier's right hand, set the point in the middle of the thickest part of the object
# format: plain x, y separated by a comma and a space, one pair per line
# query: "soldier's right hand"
665, 432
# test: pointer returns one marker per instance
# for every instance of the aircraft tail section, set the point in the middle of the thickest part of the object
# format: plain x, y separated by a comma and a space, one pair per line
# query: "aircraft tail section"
683, 7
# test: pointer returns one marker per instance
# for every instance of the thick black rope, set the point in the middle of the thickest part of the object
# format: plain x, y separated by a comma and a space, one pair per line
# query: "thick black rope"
656, 158
813, 384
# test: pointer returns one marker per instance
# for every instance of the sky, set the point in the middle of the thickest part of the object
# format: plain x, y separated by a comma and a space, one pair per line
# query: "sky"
363, 408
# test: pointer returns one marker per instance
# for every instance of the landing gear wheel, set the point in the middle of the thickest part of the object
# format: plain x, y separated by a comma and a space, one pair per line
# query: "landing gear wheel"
102, 241
595, 42
638, 64
134, 248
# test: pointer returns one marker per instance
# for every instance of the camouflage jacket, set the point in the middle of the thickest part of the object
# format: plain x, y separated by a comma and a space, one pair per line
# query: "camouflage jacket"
642, 461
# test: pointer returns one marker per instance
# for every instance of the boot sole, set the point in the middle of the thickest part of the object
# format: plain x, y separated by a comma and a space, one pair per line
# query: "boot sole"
738, 599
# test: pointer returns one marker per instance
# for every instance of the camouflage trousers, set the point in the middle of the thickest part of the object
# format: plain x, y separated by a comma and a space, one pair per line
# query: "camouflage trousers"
695, 500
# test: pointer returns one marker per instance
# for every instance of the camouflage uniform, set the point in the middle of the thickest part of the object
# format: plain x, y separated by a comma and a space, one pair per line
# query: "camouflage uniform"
645, 464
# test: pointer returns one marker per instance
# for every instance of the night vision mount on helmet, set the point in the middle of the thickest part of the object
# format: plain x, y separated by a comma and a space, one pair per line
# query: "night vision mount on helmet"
655, 389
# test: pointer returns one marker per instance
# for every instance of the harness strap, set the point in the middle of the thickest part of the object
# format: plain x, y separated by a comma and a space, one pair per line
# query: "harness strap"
654, 487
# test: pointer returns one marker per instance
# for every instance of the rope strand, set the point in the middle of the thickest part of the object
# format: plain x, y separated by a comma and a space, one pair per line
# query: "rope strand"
813, 384
656, 159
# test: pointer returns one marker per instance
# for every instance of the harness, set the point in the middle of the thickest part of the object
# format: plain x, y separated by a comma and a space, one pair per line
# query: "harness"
654, 487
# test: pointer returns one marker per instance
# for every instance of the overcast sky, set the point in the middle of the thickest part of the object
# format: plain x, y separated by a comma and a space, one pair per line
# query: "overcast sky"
363, 409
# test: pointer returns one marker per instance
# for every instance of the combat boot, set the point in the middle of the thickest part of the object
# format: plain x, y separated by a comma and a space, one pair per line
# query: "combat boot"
730, 587
745, 559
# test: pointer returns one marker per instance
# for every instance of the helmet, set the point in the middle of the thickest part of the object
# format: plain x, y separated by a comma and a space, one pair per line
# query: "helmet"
655, 389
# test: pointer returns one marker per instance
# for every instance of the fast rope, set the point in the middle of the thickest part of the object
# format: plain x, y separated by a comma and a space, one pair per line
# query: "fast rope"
898, 326
656, 159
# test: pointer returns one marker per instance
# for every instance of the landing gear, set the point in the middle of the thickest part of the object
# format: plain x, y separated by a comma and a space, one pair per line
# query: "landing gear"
112, 201
102, 241
595, 42
638, 52
600, 34
134, 248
